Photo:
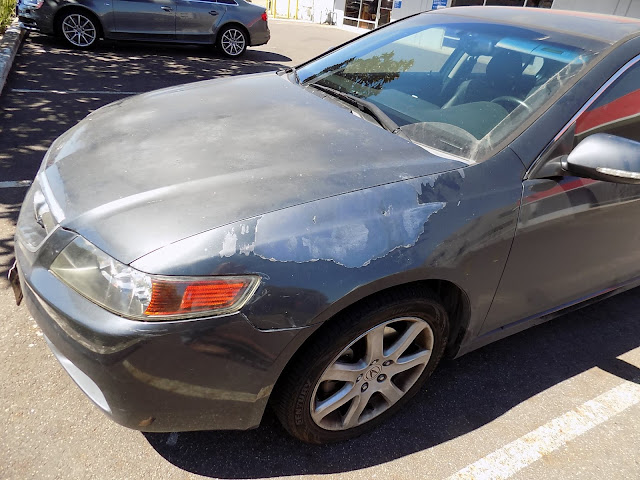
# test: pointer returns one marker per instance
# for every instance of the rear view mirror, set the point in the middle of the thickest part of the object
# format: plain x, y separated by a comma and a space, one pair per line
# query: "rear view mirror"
605, 157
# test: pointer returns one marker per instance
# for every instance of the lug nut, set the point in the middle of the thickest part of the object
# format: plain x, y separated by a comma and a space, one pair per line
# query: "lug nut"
374, 362
382, 377
364, 387
387, 363
359, 378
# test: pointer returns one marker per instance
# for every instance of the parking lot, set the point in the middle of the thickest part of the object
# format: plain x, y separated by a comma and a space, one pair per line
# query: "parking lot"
558, 401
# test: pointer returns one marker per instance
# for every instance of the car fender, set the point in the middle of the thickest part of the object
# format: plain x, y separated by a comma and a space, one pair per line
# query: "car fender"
319, 257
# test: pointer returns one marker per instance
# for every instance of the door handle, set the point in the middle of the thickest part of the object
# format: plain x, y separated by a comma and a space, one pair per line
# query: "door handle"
213, 12
167, 9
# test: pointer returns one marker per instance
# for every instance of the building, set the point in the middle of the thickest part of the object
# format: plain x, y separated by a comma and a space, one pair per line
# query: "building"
369, 14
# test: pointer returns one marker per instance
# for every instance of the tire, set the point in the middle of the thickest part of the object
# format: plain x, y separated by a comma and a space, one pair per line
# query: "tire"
79, 29
362, 368
232, 41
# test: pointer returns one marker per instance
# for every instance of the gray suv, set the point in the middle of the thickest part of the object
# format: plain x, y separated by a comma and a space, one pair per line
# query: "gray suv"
231, 25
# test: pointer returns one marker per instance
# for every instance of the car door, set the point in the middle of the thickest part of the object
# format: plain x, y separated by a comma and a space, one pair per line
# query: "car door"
149, 19
576, 237
197, 20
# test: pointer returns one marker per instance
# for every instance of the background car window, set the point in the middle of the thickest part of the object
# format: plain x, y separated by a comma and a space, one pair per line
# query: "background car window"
616, 111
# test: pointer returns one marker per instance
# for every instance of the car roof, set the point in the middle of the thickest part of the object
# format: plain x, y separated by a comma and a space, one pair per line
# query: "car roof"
606, 28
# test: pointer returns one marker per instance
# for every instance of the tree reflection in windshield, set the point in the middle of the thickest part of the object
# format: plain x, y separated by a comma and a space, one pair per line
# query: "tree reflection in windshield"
371, 73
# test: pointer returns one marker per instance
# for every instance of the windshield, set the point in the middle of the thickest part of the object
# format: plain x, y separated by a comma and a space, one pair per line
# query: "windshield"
457, 85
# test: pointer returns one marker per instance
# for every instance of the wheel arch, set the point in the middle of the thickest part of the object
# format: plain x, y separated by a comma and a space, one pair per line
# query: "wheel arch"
232, 23
78, 8
454, 300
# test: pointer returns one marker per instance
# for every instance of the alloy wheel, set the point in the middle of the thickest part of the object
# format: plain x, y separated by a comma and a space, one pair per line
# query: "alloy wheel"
233, 42
372, 373
79, 30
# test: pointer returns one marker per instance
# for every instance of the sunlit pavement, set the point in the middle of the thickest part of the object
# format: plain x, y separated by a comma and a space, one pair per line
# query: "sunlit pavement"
559, 401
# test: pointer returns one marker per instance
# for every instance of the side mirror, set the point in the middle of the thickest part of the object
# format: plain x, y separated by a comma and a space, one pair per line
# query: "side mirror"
605, 157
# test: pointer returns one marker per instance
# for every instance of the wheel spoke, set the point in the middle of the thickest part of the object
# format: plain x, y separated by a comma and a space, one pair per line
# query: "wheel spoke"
335, 401
406, 339
391, 393
374, 341
409, 362
344, 372
352, 417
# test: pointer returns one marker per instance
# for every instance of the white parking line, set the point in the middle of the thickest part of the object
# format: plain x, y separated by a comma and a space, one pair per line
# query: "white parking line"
15, 184
74, 92
515, 456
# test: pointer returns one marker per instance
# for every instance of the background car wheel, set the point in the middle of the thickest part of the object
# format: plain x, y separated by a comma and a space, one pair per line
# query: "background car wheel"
79, 29
362, 367
232, 41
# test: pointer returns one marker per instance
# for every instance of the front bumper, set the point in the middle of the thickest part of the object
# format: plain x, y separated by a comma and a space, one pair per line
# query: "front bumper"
206, 374
36, 20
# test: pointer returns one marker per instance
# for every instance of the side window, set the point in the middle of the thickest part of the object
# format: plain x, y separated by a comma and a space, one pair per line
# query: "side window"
616, 111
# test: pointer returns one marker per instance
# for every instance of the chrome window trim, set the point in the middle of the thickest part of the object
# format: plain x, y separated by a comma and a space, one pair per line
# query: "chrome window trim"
584, 108
234, 4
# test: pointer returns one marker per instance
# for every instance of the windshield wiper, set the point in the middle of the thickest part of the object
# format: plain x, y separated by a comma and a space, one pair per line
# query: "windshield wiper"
289, 70
365, 106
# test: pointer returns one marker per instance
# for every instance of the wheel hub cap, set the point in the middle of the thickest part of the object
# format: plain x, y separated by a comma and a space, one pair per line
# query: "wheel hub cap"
373, 373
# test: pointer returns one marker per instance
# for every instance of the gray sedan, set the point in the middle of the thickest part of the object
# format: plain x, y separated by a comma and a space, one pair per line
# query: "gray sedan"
232, 25
317, 239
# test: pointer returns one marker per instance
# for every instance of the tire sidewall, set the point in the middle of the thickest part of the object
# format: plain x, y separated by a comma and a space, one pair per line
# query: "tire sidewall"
428, 310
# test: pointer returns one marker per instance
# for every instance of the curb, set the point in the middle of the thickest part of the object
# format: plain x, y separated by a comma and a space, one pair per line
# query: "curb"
9, 44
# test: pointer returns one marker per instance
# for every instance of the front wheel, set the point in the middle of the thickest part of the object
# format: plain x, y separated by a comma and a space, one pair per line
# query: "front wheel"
232, 41
78, 29
362, 368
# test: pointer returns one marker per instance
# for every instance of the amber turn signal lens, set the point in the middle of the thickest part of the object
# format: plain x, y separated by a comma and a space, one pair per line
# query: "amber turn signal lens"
179, 298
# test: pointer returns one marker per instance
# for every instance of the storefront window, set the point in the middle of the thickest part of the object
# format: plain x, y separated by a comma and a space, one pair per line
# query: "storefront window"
539, 3
367, 13
466, 3
385, 12
506, 3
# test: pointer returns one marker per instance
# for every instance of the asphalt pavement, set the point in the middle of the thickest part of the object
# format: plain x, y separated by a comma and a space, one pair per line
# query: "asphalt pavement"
559, 401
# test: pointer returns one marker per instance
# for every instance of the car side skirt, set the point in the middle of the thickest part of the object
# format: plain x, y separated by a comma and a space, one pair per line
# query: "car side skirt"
543, 317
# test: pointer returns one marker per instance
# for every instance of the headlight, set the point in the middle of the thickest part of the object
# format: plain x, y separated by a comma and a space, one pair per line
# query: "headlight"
134, 294
35, 4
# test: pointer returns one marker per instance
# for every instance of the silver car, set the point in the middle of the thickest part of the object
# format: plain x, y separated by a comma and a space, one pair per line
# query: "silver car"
231, 25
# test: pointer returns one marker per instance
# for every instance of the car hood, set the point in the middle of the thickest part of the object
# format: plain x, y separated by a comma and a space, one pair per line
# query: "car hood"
153, 169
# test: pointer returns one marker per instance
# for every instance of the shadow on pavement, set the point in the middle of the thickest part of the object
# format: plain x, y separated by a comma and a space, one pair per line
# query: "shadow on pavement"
463, 395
